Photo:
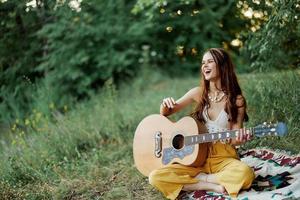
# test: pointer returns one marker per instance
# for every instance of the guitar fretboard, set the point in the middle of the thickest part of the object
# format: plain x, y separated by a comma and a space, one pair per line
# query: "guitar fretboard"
210, 137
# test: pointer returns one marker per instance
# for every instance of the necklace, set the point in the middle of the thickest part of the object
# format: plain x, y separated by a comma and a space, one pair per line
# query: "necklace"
218, 96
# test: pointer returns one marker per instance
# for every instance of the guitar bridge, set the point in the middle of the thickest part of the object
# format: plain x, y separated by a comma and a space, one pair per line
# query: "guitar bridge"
158, 145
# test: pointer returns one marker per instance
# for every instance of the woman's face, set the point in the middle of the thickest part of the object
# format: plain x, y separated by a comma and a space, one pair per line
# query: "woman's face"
209, 67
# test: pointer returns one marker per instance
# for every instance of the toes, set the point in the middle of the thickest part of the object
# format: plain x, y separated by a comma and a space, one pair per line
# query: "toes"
224, 190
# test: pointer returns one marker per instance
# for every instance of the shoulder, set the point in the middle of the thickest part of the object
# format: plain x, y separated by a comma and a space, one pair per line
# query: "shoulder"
194, 93
240, 101
195, 90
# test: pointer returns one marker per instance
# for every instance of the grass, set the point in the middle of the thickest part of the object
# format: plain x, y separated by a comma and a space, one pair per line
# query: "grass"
87, 152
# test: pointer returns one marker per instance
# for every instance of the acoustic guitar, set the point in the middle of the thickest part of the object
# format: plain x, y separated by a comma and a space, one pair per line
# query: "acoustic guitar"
159, 141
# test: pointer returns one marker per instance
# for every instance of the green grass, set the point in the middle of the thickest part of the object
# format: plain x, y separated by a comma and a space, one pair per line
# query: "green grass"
87, 153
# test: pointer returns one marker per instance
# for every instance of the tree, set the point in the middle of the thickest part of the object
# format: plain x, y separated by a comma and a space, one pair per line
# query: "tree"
89, 46
275, 42
20, 52
182, 30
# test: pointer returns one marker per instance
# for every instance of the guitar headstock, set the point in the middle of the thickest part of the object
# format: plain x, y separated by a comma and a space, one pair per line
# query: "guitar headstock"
277, 129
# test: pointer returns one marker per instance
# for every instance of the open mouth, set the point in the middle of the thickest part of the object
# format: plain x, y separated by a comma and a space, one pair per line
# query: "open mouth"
208, 71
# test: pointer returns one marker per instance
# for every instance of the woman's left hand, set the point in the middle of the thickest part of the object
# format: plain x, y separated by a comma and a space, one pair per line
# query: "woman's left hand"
244, 135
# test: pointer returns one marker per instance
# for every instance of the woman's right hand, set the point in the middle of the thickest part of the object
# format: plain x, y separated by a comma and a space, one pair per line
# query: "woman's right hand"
170, 106
168, 102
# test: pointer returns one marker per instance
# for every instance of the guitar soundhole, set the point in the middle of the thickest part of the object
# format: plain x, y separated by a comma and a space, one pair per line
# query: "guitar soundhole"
178, 141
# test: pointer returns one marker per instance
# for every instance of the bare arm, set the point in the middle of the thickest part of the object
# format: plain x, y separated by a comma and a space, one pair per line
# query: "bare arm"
169, 106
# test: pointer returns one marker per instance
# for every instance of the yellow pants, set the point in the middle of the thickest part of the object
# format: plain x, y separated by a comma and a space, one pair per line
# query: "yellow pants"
222, 161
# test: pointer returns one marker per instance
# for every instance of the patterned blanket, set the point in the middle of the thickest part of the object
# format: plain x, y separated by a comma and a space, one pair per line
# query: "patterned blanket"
277, 177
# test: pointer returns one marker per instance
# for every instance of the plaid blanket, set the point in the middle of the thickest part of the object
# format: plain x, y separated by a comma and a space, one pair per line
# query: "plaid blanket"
277, 177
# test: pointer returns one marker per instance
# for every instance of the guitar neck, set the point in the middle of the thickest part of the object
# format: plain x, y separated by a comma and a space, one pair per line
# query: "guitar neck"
211, 137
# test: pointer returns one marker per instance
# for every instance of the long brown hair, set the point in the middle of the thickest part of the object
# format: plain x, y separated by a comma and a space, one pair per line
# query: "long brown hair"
229, 85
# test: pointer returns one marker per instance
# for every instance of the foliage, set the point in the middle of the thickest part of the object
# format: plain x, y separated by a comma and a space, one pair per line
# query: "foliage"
20, 51
274, 97
55, 53
87, 47
76, 156
182, 30
276, 44
71, 50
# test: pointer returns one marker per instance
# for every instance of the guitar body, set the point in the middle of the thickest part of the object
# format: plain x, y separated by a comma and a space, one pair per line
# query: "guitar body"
159, 142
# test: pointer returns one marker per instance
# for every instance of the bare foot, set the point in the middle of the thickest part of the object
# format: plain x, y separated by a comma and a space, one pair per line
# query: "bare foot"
202, 177
211, 178
205, 186
219, 189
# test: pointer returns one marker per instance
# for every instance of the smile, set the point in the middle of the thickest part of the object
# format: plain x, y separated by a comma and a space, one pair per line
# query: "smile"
207, 71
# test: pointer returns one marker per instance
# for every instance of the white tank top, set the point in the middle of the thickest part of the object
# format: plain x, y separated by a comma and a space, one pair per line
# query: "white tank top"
217, 125
220, 124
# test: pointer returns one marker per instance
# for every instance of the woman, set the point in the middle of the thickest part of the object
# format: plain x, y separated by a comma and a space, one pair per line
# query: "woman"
221, 106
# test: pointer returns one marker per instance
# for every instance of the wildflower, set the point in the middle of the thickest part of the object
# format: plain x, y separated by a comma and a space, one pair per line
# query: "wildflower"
65, 108
51, 105
13, 128
38, 116
27, 122
22, 133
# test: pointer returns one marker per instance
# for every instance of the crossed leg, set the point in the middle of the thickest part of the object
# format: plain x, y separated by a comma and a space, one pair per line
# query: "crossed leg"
227, 173
206, 182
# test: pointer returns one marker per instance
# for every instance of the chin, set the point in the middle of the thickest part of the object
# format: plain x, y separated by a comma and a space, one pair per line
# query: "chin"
207, 78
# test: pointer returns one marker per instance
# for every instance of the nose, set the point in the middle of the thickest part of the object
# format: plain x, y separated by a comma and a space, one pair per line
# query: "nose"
204, 65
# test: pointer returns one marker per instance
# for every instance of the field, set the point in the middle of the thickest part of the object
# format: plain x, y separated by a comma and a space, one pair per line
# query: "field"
86, 153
